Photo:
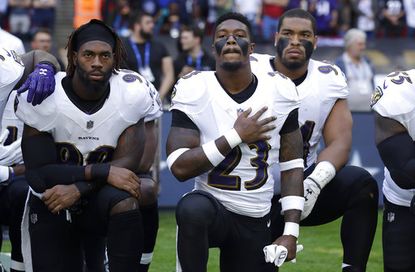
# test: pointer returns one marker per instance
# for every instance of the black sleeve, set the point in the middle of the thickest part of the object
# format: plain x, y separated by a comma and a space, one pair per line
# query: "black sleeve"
42, 170
291, 123
398, 155
180, 119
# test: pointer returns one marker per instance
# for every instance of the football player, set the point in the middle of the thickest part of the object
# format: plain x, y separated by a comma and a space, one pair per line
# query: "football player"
393, 103
34, 72
331, 189
228, 127
90, 133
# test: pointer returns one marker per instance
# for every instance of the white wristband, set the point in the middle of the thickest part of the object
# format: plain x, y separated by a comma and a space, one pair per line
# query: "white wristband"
323, 173
174, 156
233, 138
212, 153
291, 228
288, 165
292, 203
4, 173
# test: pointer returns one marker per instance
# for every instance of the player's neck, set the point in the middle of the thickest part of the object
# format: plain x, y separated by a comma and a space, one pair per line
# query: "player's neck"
290, 73
235, 81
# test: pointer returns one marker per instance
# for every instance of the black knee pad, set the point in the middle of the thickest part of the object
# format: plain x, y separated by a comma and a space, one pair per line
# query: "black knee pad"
197, 207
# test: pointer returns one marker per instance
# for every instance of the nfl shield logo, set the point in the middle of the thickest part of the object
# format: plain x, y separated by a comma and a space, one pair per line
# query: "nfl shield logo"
89, 124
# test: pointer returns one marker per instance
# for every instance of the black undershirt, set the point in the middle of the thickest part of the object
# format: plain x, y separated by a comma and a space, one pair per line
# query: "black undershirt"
296, 81
87, 106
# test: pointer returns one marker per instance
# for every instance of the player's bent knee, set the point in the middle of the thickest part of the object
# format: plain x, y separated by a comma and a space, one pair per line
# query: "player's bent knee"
195, 208
125, 205
149, 192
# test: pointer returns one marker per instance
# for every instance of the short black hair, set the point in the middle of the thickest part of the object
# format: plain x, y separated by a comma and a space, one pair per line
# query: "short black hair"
234, 16
136, 16
196, 31
298, 13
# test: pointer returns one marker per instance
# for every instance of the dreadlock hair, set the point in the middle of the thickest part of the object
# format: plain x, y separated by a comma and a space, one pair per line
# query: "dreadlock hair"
235, 16
118, 50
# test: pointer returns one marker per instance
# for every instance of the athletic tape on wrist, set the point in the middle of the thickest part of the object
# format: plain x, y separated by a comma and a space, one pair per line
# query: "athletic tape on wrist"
233, 138
4, 173
292, 203
291, 228
212, 153
323, 173
174, 155
288, 165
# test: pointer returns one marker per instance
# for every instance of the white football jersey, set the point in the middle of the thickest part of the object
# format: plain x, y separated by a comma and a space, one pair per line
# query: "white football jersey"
395, 99
10, 120
242, 181
323, 85
11, 70
83, 138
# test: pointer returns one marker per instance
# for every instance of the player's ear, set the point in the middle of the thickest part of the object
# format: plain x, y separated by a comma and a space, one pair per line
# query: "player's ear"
275, 39
251, 48
315, 42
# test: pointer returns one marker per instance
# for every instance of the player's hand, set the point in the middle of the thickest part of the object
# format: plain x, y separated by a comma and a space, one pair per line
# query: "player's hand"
251, 129
40, 83
11, 154
124, 179
290, 243
60, 197
311, 193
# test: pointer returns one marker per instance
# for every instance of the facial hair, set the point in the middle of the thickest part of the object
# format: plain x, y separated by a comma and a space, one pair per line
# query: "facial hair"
283, 43
94, 86
146, 35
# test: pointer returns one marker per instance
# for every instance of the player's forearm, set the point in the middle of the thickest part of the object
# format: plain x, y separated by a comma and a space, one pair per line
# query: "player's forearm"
336, 153
199, 160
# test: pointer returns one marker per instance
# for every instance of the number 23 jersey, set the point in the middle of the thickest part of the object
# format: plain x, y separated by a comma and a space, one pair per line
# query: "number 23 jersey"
395, 99
81, 137
242, 181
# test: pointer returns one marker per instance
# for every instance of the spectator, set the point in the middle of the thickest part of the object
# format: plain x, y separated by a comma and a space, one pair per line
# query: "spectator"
271, 12
42, 40
193, 12
366, 15
346, 16
3, 11
358, 70
19, 18
409, 6
193, 57
119, 19
148, 56
392, 17
43, 13
85, 10
326, 14
10, 41
253, 11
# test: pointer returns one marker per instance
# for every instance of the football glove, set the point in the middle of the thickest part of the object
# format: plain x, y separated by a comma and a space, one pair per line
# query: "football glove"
40, 83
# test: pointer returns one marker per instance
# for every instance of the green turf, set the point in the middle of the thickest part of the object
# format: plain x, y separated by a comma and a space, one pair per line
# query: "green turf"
322, 249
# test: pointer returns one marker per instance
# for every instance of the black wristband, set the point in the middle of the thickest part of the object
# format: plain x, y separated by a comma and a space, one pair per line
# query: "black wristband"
85, 187
100, 172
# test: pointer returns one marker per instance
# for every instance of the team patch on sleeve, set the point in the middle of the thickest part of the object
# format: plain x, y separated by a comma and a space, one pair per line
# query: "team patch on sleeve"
129, 78
376, 95
326, 69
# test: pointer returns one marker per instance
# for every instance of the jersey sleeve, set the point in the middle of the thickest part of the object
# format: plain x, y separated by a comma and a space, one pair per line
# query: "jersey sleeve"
288, 98
332, 79
394, 98
11, 70
156, 111
189, 94
41, 117
137, 97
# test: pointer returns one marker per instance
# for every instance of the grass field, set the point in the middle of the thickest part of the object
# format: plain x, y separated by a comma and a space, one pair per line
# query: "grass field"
322, 249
